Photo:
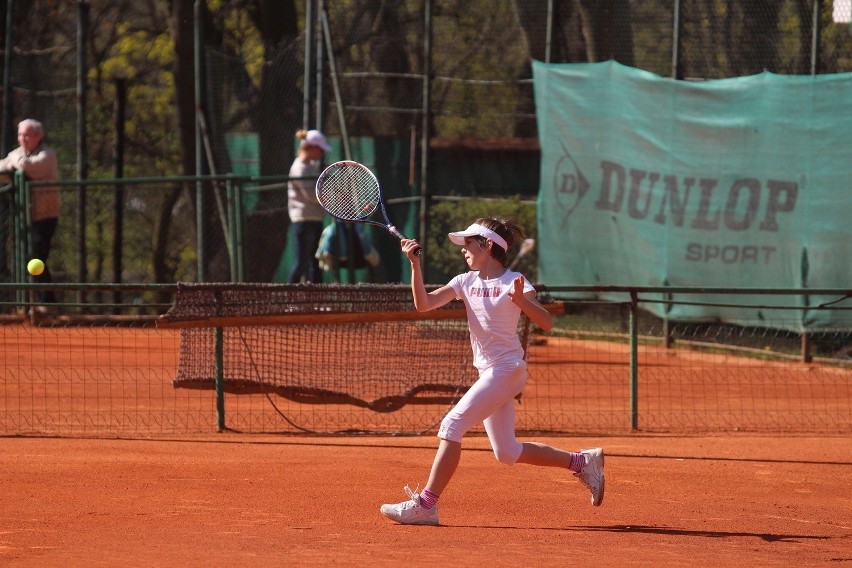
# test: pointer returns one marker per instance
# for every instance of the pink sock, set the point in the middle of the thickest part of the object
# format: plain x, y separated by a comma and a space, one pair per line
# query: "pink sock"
428, 499
578, 461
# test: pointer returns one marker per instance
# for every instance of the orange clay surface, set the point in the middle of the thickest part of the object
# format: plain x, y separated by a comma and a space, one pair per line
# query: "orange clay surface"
241, 500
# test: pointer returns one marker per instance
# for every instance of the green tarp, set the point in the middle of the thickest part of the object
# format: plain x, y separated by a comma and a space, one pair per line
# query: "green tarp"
649, 181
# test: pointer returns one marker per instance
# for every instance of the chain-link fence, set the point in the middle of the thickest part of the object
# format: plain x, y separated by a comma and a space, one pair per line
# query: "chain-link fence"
477, 56
37, 88
384, 79
461, 72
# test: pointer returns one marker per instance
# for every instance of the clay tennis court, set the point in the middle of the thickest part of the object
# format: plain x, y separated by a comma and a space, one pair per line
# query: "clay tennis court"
116, 483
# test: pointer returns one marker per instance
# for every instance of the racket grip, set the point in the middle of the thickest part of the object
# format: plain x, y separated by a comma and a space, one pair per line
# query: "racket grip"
400, 236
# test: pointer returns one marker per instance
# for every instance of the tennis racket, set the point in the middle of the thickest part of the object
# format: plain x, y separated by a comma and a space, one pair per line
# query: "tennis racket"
350, 192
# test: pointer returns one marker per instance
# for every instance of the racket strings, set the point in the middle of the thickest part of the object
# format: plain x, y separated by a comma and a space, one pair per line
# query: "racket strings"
349, 193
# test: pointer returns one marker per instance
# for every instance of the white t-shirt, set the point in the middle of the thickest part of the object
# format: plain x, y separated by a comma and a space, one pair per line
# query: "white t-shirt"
302, 203
492, 317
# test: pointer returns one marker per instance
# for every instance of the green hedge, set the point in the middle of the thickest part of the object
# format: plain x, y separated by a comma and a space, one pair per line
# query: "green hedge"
445, 260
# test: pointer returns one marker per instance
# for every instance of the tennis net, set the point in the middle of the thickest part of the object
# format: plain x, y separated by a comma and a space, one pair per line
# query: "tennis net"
361, 345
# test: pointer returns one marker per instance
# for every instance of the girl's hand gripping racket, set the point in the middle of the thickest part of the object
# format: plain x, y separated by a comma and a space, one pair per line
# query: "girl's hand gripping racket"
350, 192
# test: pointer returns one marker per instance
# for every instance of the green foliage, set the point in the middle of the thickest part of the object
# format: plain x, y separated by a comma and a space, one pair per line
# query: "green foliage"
241, 36
144, 58
478, 39
481, 89
444, 259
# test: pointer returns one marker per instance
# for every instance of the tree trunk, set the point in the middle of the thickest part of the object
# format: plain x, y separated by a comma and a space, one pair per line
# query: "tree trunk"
607, 29
567, 44
276, 119
752, 52
160, 244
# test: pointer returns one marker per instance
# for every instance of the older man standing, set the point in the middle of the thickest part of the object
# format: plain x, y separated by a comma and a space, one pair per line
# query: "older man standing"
39, 163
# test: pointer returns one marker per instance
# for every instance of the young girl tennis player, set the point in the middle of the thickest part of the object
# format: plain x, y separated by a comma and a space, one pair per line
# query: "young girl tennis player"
494, 298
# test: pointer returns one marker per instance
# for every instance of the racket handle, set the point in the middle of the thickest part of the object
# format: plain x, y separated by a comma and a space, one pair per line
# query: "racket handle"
400, 236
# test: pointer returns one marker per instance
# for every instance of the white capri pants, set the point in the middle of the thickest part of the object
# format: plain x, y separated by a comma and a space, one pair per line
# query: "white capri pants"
491, 400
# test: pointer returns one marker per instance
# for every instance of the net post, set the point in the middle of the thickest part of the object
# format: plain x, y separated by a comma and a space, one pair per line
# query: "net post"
668, 341
634, 361
220, 380
807, 357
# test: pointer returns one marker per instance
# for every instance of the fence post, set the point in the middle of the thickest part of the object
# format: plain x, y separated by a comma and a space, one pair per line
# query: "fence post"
200, 198
118, 198
677, 52
806, 348
232, 229
634, 361
22, 234
815, 39
220, 381
426, 127
238, 231
82, 144
667, 326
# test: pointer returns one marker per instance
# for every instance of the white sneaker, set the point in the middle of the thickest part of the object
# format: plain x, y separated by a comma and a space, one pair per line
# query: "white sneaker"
411, 512
592, 474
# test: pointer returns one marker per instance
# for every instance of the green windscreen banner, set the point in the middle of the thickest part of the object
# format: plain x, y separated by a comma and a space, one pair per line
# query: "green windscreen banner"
650, 181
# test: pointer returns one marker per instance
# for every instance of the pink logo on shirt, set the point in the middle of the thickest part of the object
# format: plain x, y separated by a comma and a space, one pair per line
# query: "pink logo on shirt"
485, 292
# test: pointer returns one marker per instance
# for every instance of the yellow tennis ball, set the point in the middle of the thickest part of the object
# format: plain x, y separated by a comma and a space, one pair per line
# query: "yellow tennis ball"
35, 267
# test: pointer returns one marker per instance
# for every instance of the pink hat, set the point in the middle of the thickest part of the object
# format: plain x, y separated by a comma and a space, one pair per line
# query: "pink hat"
316, 138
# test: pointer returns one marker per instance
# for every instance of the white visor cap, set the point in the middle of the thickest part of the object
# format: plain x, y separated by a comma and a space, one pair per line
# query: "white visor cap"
477, 230
316, 138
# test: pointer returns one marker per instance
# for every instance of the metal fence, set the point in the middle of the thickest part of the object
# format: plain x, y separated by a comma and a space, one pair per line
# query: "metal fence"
436, 95
606, 367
